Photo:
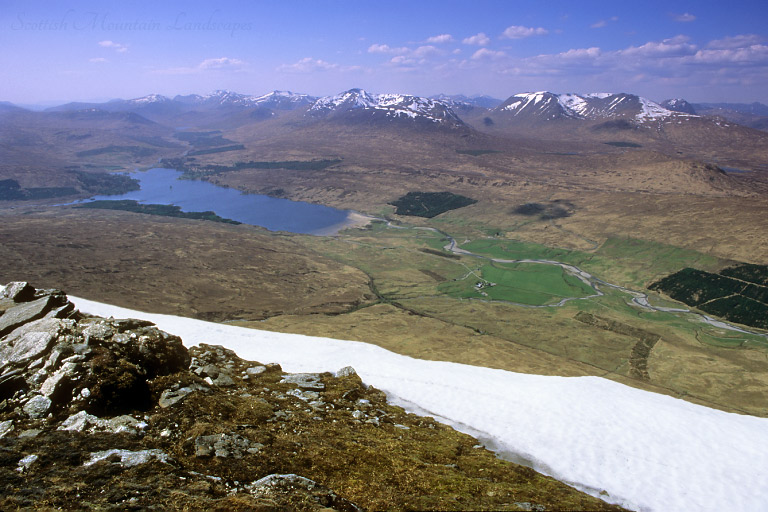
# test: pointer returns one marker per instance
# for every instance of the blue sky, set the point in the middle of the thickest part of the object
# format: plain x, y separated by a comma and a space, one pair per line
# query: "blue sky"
697, 50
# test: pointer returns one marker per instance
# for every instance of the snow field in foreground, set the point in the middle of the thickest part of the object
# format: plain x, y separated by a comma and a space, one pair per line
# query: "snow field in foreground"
647, 451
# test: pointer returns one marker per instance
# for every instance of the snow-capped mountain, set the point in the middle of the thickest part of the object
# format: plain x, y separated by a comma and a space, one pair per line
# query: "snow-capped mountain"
148, 100
678, 105
392, 106
283, 100
463, 101
549, 106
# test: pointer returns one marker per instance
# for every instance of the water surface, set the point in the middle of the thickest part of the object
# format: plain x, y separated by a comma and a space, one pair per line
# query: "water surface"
162, 186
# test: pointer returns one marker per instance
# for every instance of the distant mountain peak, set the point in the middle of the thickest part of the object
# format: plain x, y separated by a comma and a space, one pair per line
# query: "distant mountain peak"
150, 98
463, 101
545, 105
678, 105
390, 105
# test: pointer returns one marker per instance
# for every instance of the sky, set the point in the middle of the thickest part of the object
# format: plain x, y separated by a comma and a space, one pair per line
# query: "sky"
702, 51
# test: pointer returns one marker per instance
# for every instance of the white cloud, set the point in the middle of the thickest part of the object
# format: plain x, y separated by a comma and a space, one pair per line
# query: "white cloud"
739, 41
98, 59
752, 55
485, 53
208, 65
581, 53
425, 51
603, 23
675, 46
310, 65
120, 48
479, 39
385, 48
684, 18
520, 32
220, 63
442, 38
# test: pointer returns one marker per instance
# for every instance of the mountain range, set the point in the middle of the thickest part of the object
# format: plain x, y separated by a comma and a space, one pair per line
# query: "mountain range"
455, 111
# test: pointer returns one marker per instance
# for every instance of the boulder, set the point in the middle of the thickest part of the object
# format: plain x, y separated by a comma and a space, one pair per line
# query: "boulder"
275, 487
18, 291
25, 313
309, 381
30, 341
37, 406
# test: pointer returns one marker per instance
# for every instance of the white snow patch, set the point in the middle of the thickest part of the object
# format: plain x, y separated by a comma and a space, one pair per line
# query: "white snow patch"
652, 110
152, 98
391, 104
649, 452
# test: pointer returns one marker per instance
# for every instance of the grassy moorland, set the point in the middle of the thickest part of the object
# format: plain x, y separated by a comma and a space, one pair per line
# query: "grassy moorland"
429, 306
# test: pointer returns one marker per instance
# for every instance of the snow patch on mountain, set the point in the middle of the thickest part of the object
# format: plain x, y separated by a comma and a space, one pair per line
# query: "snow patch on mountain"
642, 450
602, 105
274, 99
390, 104
151, 98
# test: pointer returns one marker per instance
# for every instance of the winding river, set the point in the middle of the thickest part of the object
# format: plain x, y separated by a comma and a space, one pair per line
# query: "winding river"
639, 299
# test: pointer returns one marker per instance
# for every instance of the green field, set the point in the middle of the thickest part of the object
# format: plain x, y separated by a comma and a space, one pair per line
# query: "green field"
521, 283
625, 261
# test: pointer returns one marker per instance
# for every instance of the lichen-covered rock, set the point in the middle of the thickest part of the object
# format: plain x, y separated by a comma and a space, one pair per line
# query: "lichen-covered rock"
309, 381
300, 487
30, 341
18, 291
25, 312
225, 445
37, 406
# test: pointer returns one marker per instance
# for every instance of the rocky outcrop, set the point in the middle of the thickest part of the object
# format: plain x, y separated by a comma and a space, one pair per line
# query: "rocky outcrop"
102, 413
63, 373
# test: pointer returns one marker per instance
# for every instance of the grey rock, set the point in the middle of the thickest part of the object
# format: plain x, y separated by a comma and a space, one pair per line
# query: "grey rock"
225, 445
527, 505
37, 406
255, 370
124, 424
18, 291
78, 422
84, 422
30, 341
304, 395
54, 357
305, 381
274, 486
128, 458
170, 397
29, 433
5, 428
53, 383
24, 313
61, 312
97, 332
208, 370
26, 462
224, 380
347, 371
